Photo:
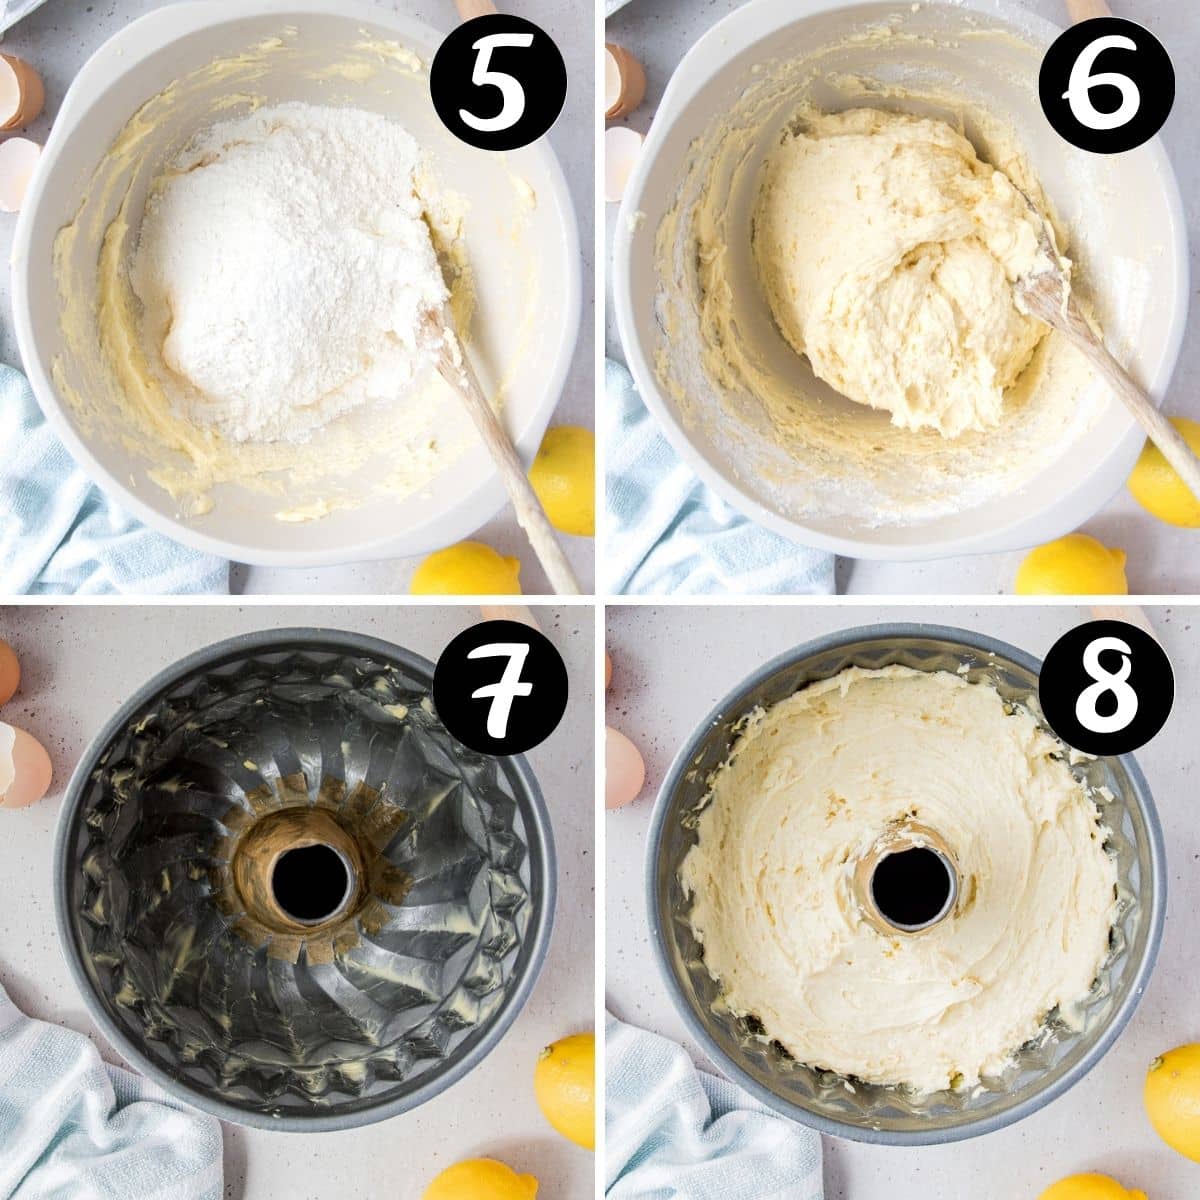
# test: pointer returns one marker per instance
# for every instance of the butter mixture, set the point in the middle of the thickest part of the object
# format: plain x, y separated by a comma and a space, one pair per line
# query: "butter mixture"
284, 270
810, 786
888, 251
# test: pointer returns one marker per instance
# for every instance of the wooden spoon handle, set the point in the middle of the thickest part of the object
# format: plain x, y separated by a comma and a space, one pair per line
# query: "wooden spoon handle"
454, 366
1160, 430
1085, 10
468, 10
530, 514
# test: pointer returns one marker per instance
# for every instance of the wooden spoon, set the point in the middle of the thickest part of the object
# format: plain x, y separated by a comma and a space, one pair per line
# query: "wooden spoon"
1046, 294
455, 369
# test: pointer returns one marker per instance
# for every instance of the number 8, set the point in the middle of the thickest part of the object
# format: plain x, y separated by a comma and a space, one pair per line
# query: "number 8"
511, 90
1080, 84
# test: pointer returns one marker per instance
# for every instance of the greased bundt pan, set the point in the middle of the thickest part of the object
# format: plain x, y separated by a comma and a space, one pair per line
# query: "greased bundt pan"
289, 895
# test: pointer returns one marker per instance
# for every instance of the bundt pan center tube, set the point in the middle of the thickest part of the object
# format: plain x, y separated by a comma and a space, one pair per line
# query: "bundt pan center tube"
289, 895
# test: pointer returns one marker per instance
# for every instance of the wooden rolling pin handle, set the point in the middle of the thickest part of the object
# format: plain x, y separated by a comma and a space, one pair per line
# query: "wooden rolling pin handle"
1085, 10
1130, 614
521, 613
468, 10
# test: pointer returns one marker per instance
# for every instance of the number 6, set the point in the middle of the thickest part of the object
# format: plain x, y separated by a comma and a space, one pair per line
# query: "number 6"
1080, 84
511, 90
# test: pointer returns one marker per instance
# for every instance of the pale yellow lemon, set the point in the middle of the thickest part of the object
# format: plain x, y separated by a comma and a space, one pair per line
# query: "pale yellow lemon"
1075, 565
564, 1082
1172, 1099
1090, 1187
467, 569
481, 1179
564, 477
1156, 485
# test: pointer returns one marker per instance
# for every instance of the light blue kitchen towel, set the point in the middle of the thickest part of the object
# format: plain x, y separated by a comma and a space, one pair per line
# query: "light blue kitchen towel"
74, 1128
60, 533
675, 1133
669, 533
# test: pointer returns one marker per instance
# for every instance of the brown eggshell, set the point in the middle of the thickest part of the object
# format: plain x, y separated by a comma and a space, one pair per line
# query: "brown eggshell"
10, 672
624, 82
21, 93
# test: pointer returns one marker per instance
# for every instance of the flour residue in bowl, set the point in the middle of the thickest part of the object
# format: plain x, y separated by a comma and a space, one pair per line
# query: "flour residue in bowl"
810, 786
285, 272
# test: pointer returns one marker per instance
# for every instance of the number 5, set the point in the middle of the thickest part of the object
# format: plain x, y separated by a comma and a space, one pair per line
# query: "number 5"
511, 90
1080, 84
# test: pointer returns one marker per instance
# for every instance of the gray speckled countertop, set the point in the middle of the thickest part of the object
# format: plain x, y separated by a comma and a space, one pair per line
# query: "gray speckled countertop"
59, 37
670, 666
79, 662
1162, 559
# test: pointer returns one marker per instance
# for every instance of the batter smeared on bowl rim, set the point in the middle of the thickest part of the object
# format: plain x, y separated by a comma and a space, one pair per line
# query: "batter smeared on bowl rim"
810, 787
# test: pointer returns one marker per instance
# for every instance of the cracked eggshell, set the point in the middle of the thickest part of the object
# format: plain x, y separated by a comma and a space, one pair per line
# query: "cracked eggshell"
25, 770
19, 158
622, 146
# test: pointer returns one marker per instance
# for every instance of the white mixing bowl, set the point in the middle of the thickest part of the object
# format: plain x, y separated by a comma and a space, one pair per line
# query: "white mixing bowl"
526, 264
1124, 211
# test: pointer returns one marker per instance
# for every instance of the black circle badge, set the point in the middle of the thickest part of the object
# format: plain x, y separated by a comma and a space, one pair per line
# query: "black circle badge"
500, 687
1107, 85
498, 82
1106, 687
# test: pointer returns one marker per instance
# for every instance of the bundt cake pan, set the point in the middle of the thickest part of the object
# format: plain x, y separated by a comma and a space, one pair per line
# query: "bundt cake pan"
1045, 1067
289, 895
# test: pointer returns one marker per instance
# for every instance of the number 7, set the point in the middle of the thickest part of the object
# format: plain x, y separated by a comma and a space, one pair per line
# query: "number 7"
505, 690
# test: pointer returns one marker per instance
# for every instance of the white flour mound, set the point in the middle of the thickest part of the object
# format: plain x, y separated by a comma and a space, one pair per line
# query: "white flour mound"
283, 268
